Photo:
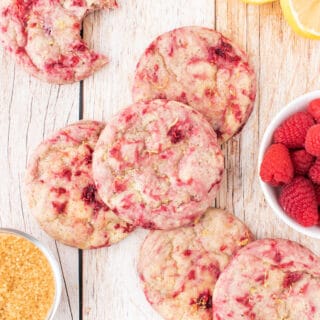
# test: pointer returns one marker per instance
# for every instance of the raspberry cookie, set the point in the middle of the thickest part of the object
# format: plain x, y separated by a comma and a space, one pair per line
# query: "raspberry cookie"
61, 192
269, 280
179, 268
201, 68
44, 37
158, 164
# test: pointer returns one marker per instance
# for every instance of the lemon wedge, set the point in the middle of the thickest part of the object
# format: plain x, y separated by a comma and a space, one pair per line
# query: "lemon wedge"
258, 1
303, 16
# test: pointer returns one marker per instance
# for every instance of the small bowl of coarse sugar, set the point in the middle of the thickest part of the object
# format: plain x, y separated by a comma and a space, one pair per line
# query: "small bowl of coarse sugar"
30, 278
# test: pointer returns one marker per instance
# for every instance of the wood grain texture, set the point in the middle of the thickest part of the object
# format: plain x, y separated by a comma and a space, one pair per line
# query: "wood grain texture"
286, 66
29, 111
282, 62
111, 287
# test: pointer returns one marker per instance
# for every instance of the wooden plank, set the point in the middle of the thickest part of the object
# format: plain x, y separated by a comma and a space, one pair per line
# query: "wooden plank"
286, 66
29, 111
111, 286
289, 67
230, 195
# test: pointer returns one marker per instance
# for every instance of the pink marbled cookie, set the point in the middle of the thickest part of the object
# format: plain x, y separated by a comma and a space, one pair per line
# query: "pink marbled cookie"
61, 191
203, 69
158, 164
44, 37
179, 268
270, 279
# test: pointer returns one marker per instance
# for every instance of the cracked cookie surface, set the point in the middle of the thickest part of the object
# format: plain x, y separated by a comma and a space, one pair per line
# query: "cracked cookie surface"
62, 194
179, 268
201, 68
270, 279
158, 164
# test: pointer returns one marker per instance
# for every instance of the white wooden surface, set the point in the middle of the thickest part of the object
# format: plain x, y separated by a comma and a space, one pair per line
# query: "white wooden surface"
286, 66
29, 111
124, 34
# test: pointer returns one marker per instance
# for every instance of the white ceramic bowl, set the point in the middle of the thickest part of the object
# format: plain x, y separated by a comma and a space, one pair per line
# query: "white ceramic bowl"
270, 193
53, 263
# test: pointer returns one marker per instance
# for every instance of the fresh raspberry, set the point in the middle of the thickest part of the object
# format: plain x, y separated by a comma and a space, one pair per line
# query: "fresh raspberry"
301, 161
298, 200
314, 172
317, 190
313, 140
314, 109
292, 132
276, 167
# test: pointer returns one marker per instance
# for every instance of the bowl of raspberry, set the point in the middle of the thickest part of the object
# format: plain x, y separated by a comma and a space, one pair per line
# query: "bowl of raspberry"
289, 164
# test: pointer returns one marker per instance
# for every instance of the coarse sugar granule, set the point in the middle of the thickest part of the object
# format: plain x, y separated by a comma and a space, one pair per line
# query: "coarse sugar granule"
27, 286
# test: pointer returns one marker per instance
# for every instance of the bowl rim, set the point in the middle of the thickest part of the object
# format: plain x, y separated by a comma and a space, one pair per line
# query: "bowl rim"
52, 261
298, 104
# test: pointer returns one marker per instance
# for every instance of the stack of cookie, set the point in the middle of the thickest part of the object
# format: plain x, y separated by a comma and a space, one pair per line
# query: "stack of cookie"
215, 271
62, 194
158, 165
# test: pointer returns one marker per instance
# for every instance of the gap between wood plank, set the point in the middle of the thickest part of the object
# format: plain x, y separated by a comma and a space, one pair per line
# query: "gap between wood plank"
80, 284
80, 252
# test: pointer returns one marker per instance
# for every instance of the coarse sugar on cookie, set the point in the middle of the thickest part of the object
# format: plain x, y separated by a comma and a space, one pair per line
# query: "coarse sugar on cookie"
270, 279
62, 194
179, 268
44, 37
158, 164
201, 68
